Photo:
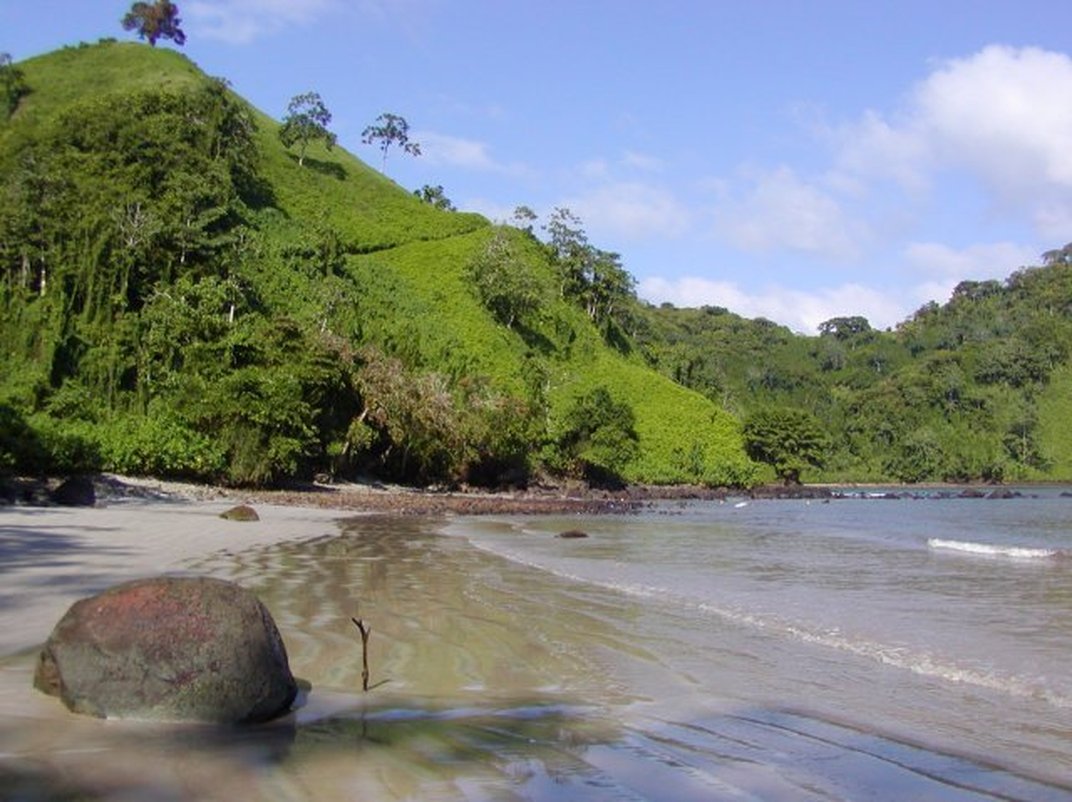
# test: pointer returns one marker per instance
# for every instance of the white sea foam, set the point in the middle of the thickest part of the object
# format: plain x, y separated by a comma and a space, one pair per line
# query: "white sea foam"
993, 550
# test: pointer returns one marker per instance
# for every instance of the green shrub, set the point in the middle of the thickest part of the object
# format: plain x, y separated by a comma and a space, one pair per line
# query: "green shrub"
159, 445
67, 446
598, 439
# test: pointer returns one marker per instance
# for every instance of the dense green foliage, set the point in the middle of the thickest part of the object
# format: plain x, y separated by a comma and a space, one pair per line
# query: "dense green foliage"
599, 437
181, 296
435, 196
974, 389
789, 440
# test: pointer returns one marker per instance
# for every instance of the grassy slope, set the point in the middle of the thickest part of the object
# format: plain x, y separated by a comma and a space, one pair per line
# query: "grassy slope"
408, 262
683, 436
72, 74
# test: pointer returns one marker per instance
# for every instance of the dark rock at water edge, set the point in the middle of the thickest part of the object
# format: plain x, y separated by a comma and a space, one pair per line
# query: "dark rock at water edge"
572, 534
74, 491
169, 648
243, 512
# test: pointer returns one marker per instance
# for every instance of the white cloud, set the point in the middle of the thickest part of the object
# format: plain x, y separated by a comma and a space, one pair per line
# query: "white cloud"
1005, 113
467, 154
1002, 116
632, 210
800, 310
454, 151
1053, 220
242, 21
976, 262
594, 169
778, 209
875, 148
630, 161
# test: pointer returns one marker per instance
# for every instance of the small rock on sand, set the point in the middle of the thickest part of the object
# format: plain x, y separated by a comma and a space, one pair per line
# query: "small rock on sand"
572, 534
243, 512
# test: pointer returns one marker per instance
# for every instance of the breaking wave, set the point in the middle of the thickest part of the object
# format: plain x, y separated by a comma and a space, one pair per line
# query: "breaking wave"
994, 550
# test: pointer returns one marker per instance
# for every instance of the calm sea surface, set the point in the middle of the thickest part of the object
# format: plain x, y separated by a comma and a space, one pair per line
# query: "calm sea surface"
862, 648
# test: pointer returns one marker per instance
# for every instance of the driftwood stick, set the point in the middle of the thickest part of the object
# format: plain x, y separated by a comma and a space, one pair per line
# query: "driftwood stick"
365, 632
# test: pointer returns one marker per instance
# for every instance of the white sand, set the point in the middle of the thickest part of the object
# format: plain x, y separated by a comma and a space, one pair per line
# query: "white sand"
53, 556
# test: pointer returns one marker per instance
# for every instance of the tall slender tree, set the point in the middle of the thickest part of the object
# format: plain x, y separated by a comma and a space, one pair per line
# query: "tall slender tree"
390, 129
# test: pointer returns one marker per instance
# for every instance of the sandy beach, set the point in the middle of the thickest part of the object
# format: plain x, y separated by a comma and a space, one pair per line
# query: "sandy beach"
52, 556
457, 683
509, 663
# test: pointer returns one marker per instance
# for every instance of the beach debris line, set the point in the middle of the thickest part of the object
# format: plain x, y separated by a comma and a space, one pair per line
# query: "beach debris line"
365, 632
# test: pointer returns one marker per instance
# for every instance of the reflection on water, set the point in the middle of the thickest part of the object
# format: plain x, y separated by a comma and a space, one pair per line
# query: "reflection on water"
384, 754
449, 625
492, 681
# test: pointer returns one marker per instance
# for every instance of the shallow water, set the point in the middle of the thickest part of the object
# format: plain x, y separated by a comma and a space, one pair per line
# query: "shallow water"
777, 651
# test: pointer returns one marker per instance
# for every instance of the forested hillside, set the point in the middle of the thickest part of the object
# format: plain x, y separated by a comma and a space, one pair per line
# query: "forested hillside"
979, 388
183, 295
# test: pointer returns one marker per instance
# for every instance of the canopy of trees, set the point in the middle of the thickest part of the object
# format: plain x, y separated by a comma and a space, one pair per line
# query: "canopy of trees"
789, 440
958, 392
153, 21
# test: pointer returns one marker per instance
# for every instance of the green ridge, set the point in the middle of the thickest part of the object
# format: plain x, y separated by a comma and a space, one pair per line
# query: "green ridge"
205, 312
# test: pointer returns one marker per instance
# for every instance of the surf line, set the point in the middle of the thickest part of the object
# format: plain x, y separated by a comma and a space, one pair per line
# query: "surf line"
993, 550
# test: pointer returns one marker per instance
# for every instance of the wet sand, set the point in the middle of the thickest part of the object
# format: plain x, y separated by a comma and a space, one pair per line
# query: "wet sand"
468, 690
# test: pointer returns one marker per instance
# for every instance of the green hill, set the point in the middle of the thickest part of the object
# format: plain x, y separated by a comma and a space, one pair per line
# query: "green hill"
181, 297
973, 389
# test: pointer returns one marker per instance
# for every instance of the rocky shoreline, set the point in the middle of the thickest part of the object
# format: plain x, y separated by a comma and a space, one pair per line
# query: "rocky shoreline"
375, 497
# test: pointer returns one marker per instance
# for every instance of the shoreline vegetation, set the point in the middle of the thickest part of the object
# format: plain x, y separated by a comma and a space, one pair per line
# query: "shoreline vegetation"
380, 498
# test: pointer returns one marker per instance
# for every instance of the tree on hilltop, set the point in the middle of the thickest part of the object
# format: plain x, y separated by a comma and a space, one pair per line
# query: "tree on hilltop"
307, 119
152, 21
844, 328
390, 129
1058, 256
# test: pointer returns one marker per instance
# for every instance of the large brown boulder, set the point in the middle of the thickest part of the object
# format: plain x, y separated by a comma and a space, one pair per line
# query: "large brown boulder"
172, 648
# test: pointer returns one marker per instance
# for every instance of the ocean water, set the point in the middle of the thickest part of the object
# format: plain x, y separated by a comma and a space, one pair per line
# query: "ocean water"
861, 649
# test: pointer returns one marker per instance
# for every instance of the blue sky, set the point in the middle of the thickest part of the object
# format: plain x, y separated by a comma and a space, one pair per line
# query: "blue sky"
792, 160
